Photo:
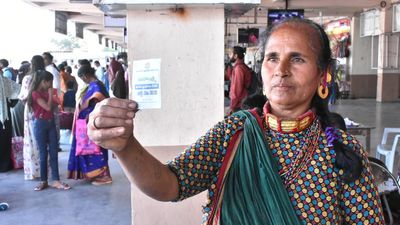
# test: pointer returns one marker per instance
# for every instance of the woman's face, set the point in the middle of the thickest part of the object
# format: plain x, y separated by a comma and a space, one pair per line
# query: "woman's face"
46, 84
290, 72
84, 79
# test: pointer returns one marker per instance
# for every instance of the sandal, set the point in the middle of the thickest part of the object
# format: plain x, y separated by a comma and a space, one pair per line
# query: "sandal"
102, 181
61, 186
42, 185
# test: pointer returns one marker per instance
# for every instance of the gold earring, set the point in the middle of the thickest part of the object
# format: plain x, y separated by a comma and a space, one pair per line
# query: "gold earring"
323, 91
328, 77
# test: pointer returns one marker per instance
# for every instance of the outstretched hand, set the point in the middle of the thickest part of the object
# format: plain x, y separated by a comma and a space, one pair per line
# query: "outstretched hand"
111, 123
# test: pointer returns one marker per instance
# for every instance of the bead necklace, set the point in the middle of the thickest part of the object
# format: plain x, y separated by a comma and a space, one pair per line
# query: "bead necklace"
299, 164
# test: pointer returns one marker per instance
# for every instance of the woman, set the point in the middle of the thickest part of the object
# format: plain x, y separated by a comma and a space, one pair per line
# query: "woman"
93, 167
31, 150
286, 164
17, 112
8, 91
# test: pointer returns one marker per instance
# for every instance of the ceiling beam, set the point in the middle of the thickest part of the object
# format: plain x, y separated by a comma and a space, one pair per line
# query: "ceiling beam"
68, 7
86, 19
109, 33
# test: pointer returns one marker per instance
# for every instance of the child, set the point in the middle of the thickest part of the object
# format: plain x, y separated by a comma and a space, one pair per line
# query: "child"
69, 98
42, 100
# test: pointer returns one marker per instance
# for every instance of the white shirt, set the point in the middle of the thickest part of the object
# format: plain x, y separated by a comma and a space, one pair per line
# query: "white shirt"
56, 78
100, 74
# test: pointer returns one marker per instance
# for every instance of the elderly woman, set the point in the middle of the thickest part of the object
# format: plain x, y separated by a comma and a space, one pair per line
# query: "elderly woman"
285, 164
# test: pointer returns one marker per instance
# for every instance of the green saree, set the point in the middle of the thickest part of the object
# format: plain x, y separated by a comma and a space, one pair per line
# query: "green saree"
252, 192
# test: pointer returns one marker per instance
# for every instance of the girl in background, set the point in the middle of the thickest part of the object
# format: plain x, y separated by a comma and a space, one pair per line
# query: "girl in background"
43, 100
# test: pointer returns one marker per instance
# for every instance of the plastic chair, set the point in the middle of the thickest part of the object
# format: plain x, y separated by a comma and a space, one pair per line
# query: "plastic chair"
386, 183
386, 149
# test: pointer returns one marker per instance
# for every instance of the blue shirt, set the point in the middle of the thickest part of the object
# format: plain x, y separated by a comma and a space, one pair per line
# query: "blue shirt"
7, 73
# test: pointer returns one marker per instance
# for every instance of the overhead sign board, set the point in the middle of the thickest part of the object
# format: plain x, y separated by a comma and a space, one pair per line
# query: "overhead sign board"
61, 19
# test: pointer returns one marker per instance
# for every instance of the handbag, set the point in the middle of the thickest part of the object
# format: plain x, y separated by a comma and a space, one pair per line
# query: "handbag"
84, 146
17, 152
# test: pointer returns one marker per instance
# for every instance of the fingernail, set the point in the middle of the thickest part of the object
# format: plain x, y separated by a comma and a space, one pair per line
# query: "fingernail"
130, 114
133, 105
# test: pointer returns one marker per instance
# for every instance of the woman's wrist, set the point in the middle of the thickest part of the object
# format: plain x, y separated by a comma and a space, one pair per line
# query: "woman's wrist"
130, 144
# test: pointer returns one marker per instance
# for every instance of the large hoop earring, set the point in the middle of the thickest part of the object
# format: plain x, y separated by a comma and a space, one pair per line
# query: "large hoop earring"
328, 77
323, 91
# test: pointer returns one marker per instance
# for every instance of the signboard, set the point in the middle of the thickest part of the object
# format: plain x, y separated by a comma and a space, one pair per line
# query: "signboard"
146, 83
61, 22
79, 30
110, 21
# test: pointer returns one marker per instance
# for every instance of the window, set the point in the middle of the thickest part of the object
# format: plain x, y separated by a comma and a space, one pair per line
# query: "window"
396, 18
369, 23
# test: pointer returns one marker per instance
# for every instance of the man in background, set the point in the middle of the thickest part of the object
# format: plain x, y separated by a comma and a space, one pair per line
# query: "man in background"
240, 80
5, 69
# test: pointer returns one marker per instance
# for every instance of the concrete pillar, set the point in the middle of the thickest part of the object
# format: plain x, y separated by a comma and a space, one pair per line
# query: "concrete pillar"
387, 80
190, 44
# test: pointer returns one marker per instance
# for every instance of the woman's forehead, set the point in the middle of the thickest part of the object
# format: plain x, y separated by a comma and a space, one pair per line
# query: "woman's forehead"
300, 33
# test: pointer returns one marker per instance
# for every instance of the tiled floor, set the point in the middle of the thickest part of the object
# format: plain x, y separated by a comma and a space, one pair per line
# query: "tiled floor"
83, 204
105, 205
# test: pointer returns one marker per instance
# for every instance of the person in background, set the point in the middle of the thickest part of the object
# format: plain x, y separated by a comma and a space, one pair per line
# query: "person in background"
5, 69
53, 69
8, 91
31, 150
22, 71
100, 74
93, 167
70, 78
113, 68
42, 99
240, 79
63, 83
286, 165
17, 112
69, 98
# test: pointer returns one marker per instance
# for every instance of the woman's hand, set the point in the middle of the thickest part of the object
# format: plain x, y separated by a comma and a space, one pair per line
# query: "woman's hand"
111, 123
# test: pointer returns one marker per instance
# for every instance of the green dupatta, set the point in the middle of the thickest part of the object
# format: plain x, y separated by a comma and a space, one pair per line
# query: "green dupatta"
253, 190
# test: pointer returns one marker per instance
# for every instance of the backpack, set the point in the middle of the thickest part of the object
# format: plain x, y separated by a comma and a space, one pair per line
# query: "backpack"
256, 84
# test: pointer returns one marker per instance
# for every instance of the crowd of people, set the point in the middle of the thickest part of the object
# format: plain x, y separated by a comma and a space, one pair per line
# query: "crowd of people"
33, 98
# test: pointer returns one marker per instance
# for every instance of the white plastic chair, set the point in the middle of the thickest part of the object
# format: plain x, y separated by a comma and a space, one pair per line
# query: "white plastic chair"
386, 183
388, 150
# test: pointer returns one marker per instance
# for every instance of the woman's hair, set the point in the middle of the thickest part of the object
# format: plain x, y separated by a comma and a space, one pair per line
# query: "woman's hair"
337, 121
346, 158
86, 70
38, 77
37, 63
68, 69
